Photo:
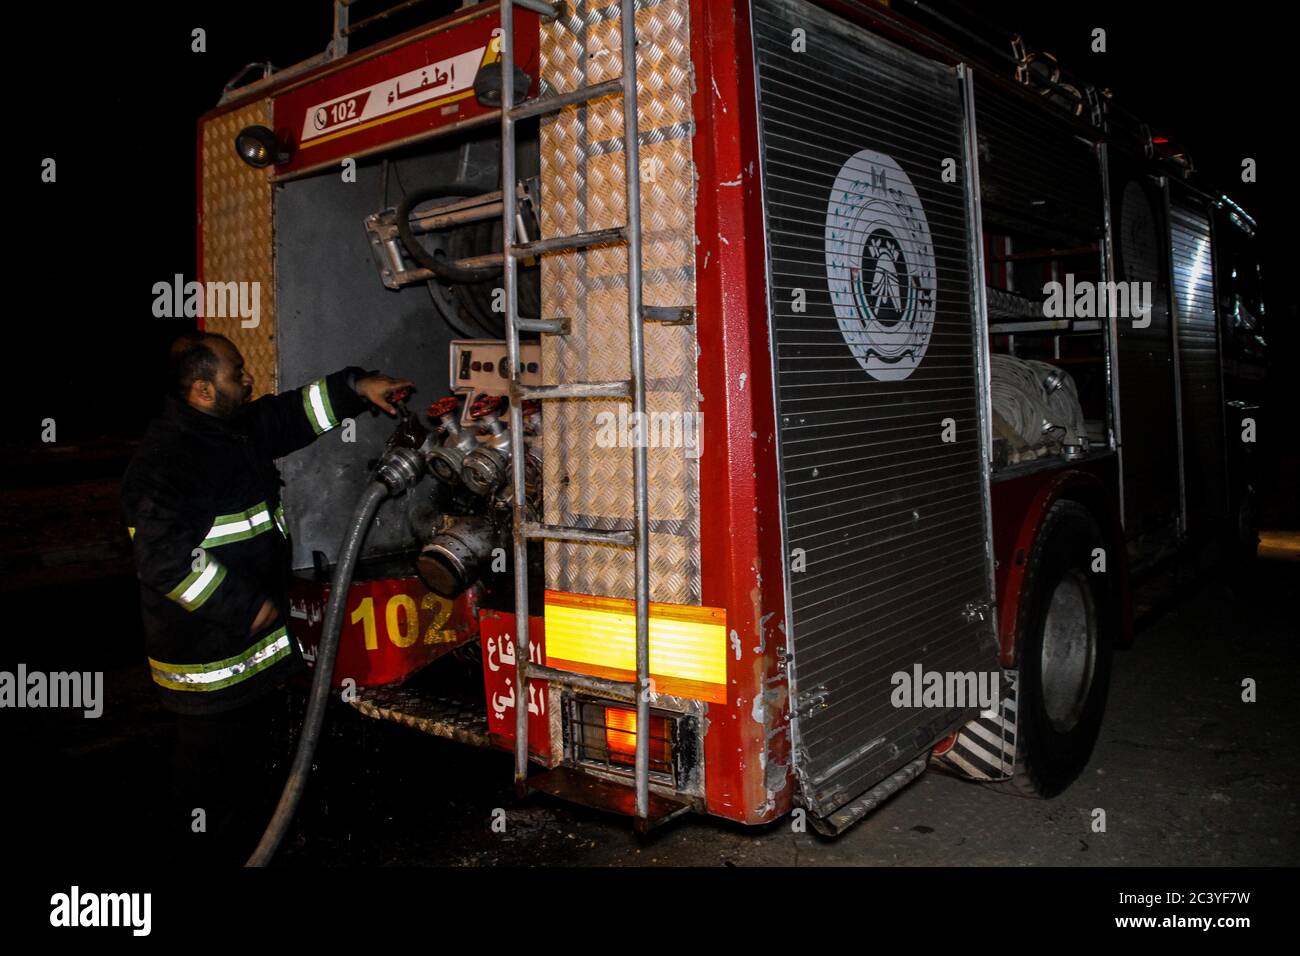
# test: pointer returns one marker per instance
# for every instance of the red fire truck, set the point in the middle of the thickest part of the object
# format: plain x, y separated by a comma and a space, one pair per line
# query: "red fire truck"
886, 364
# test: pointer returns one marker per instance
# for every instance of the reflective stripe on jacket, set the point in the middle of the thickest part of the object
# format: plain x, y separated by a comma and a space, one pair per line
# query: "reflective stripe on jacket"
267, 652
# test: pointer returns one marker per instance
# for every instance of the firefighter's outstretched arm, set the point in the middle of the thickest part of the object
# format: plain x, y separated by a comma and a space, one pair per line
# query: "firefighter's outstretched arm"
172, 555
284, 423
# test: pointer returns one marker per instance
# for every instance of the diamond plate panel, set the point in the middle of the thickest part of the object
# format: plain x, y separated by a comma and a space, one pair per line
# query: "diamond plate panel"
237, 226
588, 485
439, 716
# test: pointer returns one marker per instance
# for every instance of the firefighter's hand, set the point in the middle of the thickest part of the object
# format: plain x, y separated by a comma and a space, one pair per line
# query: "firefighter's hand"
378, 388
265, 615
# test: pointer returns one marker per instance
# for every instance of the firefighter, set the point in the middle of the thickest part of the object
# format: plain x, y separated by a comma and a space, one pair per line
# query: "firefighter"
202, 502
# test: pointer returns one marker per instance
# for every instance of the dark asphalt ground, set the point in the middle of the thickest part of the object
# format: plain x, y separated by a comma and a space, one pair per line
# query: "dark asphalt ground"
1185, 771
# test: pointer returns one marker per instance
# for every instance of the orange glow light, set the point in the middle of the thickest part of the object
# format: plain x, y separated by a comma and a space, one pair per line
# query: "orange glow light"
620, 730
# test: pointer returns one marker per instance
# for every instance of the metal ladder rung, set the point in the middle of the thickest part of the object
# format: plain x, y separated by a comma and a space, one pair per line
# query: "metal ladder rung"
555, 532
658, 314
560, 326
617, 389
544, 8
528, 250
668, 314
579, 240
617, 689
558, 101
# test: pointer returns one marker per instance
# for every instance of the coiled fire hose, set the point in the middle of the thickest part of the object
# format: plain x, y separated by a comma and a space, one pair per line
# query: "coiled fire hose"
447, 271
401, 467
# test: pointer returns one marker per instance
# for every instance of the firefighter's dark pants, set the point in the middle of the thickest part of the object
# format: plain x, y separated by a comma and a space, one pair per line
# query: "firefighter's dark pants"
231, 767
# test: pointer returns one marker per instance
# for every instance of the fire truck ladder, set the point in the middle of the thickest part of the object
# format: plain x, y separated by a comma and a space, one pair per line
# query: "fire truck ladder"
648, 809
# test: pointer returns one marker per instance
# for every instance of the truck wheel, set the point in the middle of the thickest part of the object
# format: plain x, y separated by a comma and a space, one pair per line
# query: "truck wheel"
1068, 628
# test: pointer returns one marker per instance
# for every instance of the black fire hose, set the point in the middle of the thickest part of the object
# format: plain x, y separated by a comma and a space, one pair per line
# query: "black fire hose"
441, 268
326, 653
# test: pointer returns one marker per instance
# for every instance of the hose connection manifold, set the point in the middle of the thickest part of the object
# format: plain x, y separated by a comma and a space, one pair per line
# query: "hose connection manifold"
452, 442
487, 465
404, 461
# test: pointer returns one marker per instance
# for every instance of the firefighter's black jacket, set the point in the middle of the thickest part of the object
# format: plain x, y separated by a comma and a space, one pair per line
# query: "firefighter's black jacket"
202, 500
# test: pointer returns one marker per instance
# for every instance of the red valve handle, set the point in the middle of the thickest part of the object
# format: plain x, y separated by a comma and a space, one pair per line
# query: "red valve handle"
486, 405
443, 406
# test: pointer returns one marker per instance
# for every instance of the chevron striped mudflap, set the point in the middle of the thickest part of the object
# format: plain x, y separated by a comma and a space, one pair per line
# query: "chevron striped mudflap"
985, 748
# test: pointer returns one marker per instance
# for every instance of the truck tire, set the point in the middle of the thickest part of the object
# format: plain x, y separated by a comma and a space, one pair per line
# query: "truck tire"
1069, 624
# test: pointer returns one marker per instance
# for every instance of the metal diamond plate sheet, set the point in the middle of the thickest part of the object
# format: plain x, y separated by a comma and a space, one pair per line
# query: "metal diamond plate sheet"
438, 716
237, 229
589, 482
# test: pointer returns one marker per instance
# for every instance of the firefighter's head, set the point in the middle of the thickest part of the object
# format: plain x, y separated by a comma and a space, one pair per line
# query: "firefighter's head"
208, 373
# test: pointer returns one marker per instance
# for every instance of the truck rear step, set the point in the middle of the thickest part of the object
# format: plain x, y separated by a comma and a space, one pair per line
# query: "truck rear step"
574, 786
440, 716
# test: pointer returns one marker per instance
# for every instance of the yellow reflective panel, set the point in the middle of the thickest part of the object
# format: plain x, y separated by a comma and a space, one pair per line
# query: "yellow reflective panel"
597, 635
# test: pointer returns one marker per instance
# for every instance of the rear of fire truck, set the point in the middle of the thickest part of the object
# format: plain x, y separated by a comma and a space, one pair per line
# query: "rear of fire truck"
718, 456
551, 553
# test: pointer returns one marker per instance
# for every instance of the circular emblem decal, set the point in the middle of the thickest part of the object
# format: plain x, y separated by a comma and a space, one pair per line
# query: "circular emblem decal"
880, 265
